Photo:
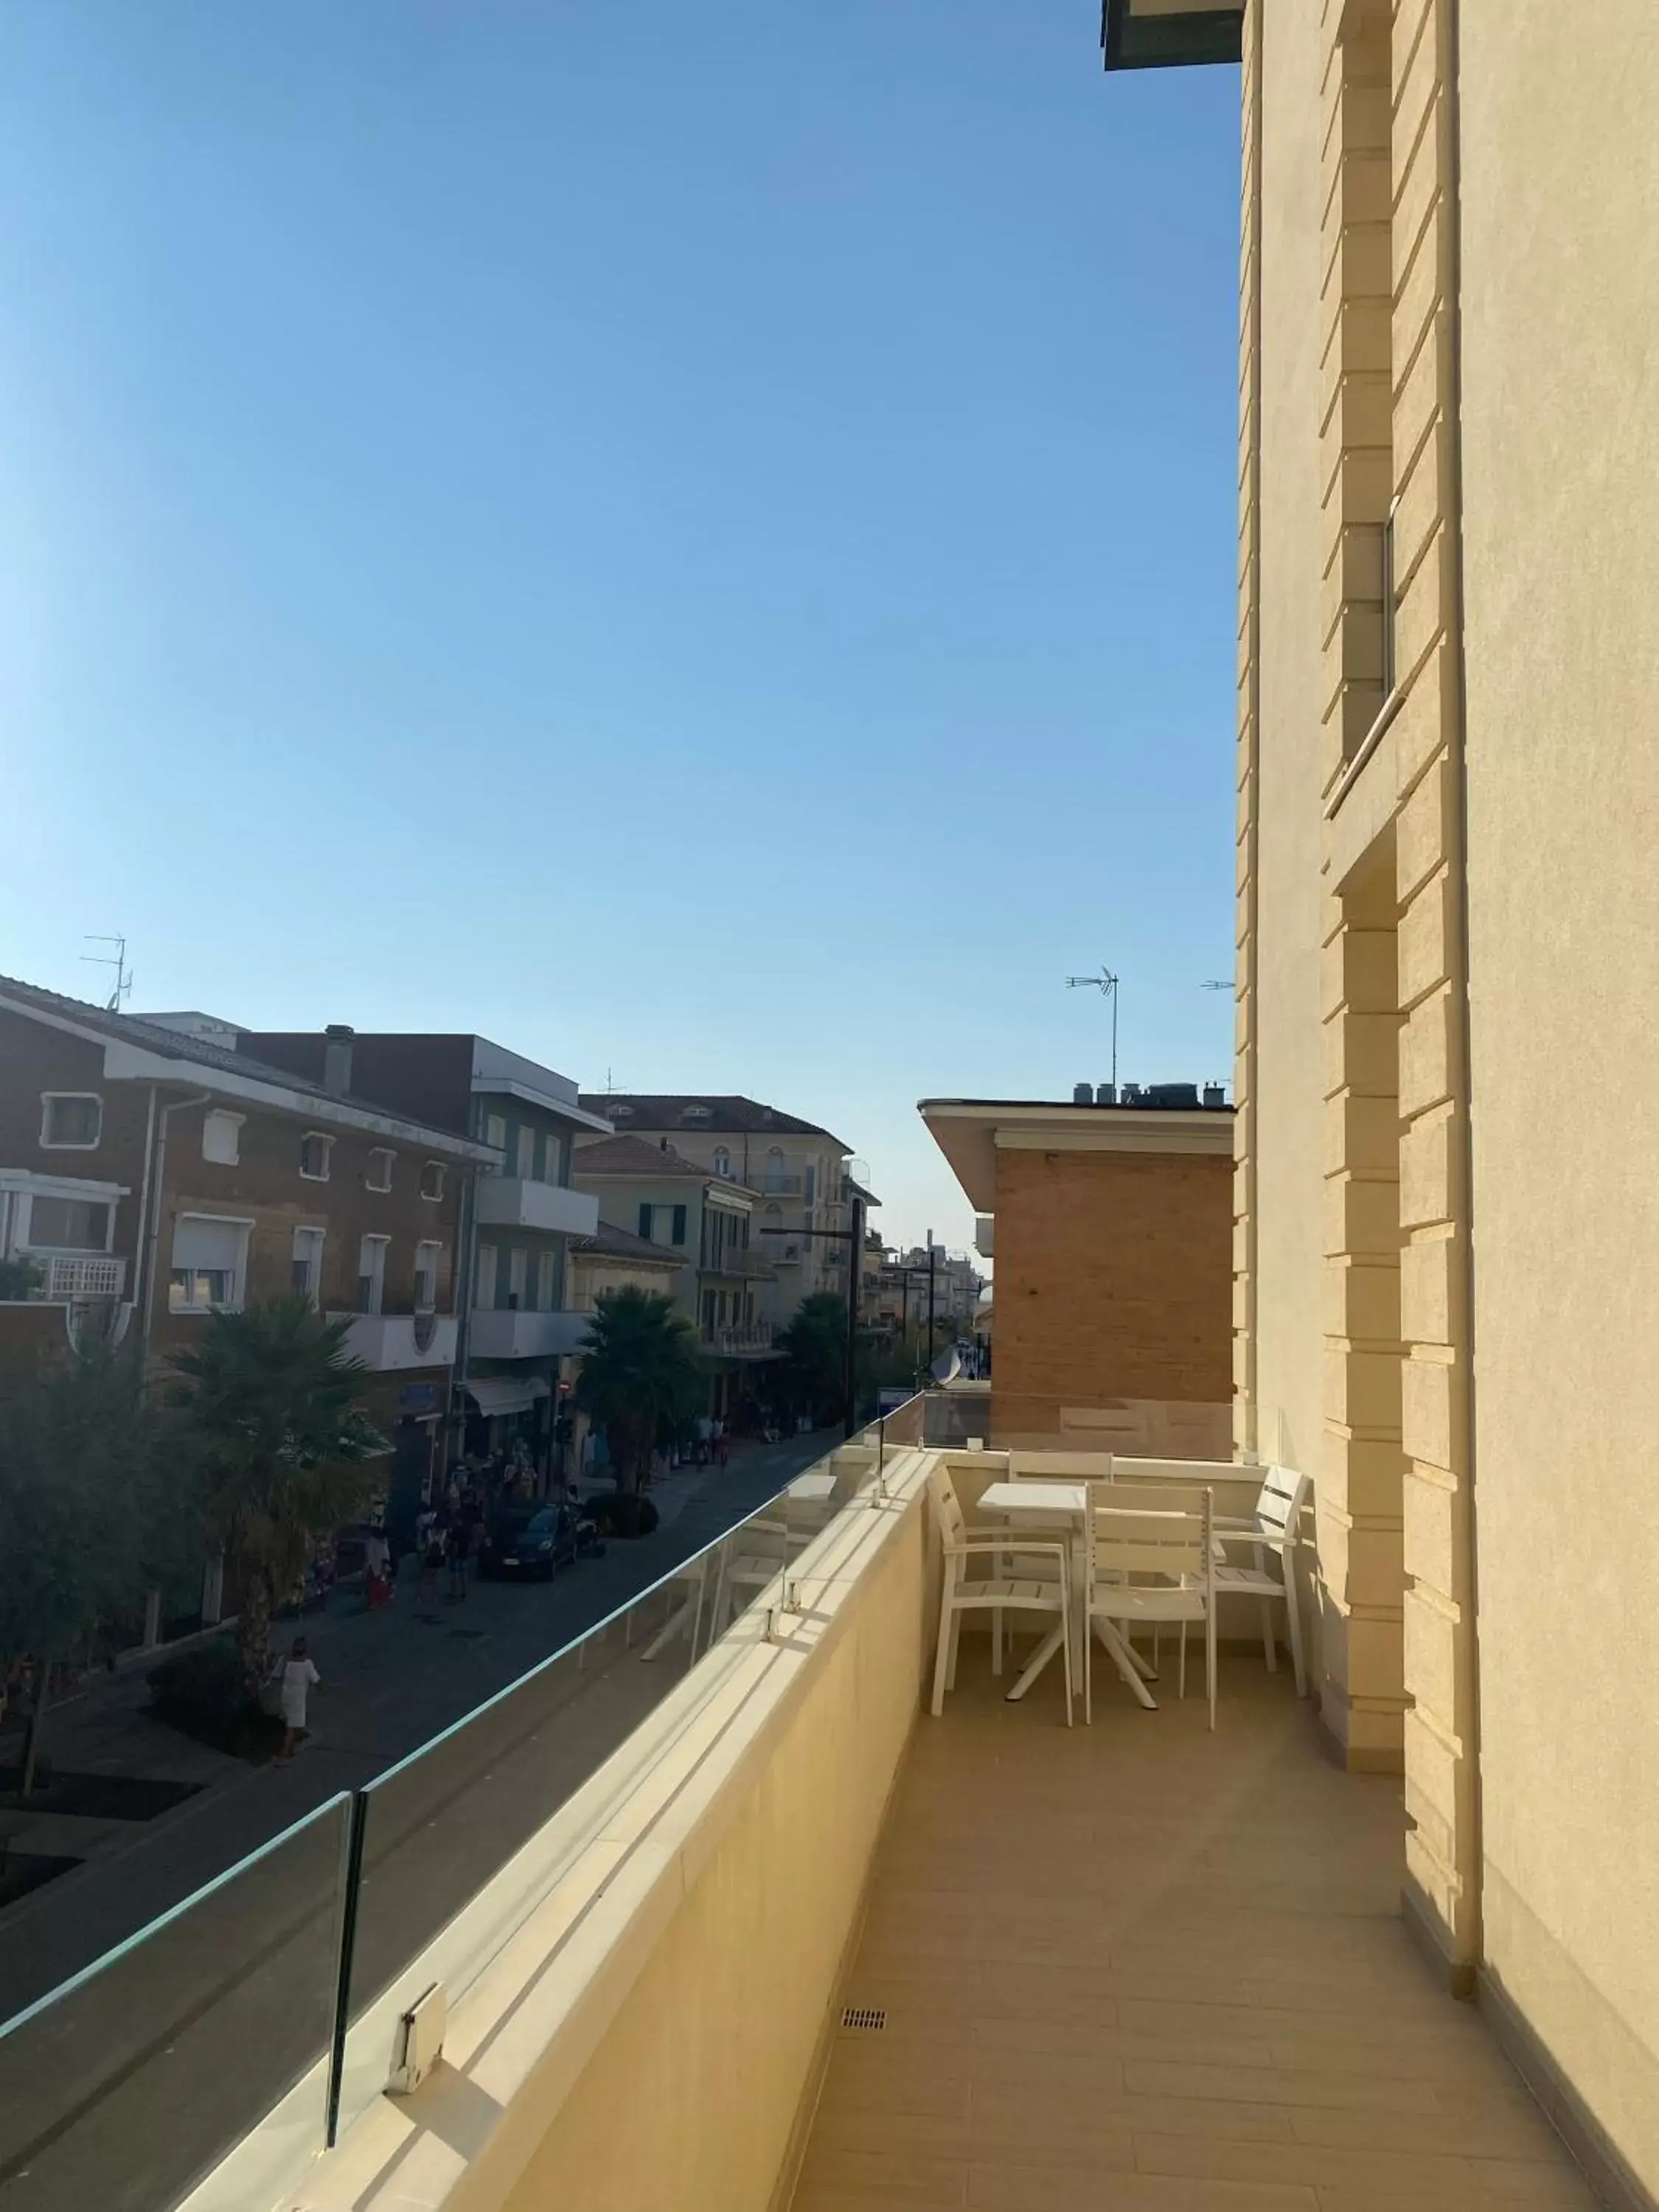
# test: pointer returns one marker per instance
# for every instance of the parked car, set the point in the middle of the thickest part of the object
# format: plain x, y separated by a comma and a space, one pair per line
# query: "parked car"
528, 1540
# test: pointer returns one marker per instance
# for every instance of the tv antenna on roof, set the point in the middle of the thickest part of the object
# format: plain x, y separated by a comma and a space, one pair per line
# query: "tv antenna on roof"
119, 963
1106, 984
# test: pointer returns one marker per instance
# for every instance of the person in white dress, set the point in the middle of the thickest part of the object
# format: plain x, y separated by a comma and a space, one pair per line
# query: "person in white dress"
298, 1678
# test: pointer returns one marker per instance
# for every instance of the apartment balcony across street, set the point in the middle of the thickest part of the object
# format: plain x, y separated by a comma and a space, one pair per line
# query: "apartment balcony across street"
748, 1263
77, 1275
385, 1341
778, 1185
742, 1340
980, 1958
517, 1202
514, 1333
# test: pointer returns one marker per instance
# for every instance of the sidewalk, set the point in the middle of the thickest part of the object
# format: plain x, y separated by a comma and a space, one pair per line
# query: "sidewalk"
391, 1680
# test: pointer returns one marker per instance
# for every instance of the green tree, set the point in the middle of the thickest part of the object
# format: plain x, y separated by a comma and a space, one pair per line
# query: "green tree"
641, 1377
814, 1346
87, 1507
19, 1279
272, 1404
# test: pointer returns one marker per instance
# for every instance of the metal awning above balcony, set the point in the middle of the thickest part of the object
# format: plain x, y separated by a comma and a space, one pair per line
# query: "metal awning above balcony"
1169, 34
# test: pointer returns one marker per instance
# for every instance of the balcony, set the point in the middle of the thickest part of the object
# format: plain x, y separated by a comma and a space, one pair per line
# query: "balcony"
387, 1342
516, 1202
721, 1923
76, 1275
779, 1186
747, 1263
516, 1335
742, 1340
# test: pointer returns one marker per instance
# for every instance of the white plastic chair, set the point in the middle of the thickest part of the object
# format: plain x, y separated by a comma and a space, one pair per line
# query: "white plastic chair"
997, 1593
1150, 1558
1271, 1533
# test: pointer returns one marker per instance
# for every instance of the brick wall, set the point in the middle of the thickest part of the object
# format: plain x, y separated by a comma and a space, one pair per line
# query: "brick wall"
1113, 1281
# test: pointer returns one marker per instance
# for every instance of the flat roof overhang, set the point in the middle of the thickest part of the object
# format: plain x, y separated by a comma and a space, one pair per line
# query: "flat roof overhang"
1169, 34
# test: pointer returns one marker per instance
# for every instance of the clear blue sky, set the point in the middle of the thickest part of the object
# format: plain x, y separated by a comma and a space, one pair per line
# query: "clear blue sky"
692, 540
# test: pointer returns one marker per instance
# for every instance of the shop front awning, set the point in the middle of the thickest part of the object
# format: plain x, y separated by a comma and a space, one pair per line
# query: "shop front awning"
505, 1393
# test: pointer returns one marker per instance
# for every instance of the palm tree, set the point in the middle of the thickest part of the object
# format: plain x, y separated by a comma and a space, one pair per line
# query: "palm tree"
272, 1402
814, 1347
641, 1377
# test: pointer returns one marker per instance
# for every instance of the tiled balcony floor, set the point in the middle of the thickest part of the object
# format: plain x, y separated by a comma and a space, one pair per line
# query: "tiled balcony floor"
1141, 1966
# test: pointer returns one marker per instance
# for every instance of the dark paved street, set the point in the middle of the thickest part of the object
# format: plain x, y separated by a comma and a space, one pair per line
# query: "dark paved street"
391, 1680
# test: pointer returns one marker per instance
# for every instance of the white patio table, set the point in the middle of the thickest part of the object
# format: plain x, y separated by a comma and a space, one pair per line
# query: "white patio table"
1062, 1506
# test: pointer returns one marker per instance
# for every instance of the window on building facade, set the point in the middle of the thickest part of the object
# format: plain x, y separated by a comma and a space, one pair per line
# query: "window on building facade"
722, 1161
524, 1153
371, 1274
518, 1276
432, 1179
69, 1224
71, 1121
429, 1259
378, 1174
546, 1292
496, 1133
484, 1280
552, 1157
305, 1277
314, 1149
646, 1212
221, 1137
208, 1270
677, 1230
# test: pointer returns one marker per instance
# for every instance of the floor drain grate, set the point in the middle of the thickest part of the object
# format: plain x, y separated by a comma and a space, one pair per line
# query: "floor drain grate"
870, 2018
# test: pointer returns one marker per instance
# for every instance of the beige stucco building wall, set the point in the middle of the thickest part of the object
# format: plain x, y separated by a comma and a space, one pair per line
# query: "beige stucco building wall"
1449, 962
1560, 426
1286, 1112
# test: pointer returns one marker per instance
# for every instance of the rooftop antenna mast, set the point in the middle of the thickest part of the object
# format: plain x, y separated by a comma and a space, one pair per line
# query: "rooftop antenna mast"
1106, 984
122, 989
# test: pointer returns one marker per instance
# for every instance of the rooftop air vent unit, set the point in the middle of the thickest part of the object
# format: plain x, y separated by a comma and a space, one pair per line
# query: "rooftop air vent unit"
1215, 1094
1172, 1095
1083, 1094
1105, 1094
1131, 1094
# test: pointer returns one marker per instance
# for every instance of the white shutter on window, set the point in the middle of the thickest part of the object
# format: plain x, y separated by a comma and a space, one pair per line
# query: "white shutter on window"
199, 1242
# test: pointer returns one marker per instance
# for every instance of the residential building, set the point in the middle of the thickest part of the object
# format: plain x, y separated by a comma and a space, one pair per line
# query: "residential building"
797, 1171
927, 1276
152, 1173
612, 1259
518, 1327
1113, 1228
1446, 1302
667, 1200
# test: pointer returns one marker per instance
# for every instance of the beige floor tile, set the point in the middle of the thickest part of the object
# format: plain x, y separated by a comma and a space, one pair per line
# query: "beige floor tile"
1143, 1969
887, 2176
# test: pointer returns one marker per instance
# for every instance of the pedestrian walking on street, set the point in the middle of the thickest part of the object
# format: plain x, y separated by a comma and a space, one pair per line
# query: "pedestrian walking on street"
431, 1559
457, 1540
377, 1569
297, 1678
